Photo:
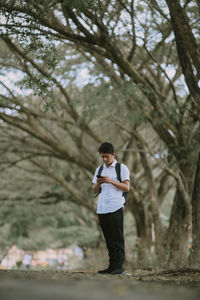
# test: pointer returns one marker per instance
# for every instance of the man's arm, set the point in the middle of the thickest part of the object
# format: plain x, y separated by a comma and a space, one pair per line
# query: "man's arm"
96, 187
124, 186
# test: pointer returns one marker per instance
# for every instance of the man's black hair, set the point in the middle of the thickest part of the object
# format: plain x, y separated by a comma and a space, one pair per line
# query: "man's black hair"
106, 148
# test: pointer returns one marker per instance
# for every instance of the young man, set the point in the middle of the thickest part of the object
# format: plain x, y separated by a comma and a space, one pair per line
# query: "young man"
110, 207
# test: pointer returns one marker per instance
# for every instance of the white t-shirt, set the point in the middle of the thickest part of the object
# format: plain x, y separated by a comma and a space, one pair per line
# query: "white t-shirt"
111, 199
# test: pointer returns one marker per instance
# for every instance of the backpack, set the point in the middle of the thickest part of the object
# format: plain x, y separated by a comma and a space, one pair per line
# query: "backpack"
118, 171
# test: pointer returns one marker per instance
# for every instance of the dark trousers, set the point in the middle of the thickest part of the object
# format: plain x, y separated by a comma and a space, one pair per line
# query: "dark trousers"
112, 225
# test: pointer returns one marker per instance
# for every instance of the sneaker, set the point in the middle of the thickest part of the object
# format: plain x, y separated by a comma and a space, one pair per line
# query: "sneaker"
117, 271
105, 271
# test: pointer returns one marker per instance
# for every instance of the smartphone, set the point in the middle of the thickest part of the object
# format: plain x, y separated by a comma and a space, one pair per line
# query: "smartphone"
99, 176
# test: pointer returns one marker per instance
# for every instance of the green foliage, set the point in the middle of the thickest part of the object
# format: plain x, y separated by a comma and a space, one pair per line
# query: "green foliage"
36, 228
5, 241
47, 221
44, 52
79, 4
64, 221
19, 227
43, 49
84, 236
19, 263
5, 213
19, 220
82, 4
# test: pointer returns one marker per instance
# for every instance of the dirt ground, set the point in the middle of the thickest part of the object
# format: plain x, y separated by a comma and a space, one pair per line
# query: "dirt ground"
60, 285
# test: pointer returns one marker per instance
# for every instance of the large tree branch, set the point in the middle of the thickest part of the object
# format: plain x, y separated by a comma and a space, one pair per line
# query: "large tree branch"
187, 48
70, 108
60, 149
78, 197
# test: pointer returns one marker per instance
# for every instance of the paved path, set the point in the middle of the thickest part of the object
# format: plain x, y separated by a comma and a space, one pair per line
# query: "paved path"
52, 285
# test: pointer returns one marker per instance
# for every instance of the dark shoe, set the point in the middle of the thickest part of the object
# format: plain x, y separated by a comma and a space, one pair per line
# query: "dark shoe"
105, 271
117, 271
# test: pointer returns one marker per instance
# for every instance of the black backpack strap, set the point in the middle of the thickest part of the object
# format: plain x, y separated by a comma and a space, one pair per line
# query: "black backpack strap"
100, 170
118, 170
99, 173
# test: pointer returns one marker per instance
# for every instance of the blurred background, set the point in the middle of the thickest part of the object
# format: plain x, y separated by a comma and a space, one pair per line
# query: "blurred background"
76, 74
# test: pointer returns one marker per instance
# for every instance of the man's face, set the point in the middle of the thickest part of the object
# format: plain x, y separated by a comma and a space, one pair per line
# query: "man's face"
107, 158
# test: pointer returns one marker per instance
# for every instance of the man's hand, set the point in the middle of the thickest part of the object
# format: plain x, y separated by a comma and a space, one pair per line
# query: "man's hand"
123, 186
100, 180
106, 179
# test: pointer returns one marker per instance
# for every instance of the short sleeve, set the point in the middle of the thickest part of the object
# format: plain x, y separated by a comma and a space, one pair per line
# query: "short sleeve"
125, 173
94, 180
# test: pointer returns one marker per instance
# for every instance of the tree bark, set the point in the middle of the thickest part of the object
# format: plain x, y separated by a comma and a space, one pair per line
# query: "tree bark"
195, 254
143, 229
187, 48
178, 232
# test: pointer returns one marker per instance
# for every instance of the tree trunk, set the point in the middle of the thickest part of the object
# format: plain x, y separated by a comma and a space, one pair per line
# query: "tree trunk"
195, 254
143, 230
178, 232
153, 200
187, 48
